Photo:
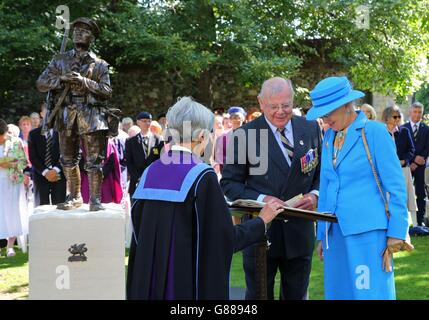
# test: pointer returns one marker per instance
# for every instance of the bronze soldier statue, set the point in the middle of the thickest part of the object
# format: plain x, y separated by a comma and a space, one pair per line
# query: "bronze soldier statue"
79, 86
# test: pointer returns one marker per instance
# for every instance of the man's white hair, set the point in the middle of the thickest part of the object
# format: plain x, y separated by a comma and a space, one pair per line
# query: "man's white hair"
187, 119
275, 85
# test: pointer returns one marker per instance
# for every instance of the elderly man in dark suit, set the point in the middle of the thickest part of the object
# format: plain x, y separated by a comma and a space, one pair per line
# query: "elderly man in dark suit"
420, 133
289, 148
141, 150
48, 177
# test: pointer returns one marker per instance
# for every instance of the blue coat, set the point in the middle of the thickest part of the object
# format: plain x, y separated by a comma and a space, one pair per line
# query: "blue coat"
349, 190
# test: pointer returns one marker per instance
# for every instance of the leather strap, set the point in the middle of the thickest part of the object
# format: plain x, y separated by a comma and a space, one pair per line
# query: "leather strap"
377, 180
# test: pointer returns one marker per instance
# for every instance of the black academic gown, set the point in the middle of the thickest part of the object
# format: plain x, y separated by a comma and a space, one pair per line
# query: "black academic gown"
183, 250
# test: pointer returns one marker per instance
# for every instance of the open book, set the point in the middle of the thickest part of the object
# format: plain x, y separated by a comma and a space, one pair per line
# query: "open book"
248, 203
246, 206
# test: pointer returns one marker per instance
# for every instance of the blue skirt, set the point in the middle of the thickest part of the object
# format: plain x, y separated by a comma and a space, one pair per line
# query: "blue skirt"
353, 266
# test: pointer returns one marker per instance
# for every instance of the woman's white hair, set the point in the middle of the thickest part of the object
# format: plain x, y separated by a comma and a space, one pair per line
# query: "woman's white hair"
187, 119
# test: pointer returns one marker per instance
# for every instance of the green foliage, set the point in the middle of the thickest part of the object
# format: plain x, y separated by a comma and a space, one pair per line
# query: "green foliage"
423, 96
195, 45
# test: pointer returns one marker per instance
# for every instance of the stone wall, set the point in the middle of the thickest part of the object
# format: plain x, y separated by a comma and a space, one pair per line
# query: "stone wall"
380, 102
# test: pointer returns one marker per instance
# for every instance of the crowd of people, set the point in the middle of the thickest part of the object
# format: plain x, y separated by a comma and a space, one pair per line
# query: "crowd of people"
32, 174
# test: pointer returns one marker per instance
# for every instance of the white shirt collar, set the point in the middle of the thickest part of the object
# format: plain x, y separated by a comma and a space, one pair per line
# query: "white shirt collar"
288, 126
180, 148
148, 134
412, 124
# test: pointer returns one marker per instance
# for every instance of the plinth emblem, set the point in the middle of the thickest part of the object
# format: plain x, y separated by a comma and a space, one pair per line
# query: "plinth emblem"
78, 252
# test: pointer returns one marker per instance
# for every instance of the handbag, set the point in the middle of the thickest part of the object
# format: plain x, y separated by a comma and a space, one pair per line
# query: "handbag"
406, 244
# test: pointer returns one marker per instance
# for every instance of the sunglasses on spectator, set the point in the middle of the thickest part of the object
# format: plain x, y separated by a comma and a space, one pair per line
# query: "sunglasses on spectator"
396, 117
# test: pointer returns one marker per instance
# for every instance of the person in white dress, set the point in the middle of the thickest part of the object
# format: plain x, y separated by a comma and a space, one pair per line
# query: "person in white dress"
13, 208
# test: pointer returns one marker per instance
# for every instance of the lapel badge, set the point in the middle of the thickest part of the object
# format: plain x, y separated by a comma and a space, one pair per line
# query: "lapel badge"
301, 142
155, 151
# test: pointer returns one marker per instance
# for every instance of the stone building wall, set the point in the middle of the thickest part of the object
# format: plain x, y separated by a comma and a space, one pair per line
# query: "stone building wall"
379, 102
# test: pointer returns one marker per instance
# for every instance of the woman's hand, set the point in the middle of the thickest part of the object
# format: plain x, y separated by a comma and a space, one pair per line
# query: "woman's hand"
319, 249
270, 211
26, 181
394, 245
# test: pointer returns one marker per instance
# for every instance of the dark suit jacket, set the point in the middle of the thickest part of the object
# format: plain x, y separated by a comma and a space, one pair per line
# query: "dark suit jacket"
296, 237
404, 144
37, 150
136, 159
421, 143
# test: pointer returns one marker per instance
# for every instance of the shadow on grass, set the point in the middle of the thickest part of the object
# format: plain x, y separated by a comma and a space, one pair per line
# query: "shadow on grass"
16, 289
13, 262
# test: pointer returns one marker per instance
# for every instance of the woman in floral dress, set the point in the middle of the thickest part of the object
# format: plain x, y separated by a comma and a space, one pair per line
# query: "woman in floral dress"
13, 205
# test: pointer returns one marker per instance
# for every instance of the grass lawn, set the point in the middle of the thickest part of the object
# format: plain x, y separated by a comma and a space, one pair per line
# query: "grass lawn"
411, 274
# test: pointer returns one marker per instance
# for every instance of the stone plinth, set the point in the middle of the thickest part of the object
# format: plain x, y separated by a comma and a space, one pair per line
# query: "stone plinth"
93, 269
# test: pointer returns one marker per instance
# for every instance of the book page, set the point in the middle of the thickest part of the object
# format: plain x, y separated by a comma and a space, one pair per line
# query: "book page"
248, 203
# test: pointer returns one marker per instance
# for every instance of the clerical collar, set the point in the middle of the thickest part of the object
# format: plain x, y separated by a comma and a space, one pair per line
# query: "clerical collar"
180, 148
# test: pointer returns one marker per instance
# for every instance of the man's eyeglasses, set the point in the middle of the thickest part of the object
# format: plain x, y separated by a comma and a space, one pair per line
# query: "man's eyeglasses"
396, 117
284, 107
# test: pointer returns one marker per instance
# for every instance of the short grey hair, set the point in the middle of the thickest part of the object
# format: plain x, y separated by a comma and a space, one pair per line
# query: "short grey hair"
187, 119
274, 86
389, 111
127, 120
417, 105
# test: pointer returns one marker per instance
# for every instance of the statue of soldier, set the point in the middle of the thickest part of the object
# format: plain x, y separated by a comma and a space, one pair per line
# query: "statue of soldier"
79, 84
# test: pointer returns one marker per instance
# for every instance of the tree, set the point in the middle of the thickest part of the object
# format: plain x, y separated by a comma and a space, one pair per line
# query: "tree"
203, 46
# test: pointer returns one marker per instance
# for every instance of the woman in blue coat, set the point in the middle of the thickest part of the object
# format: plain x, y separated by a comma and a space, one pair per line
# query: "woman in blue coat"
356, 262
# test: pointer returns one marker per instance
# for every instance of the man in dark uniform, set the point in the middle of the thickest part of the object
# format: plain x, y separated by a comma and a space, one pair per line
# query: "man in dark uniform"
141, 150
82, 80
286, 144
420, 133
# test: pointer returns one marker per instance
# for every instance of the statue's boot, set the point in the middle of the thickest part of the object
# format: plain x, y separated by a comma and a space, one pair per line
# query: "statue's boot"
74, 199
95, 180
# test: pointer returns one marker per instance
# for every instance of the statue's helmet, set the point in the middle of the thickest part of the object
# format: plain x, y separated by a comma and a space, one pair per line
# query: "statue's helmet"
90, 23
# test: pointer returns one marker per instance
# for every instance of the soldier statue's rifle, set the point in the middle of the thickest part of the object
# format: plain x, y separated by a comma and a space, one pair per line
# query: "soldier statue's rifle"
51, 112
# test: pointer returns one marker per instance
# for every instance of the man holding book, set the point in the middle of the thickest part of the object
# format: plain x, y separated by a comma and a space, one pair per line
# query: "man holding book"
292, 153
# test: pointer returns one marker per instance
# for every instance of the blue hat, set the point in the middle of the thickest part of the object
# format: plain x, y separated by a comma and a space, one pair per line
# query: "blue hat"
236, 109
330, 94
144, 115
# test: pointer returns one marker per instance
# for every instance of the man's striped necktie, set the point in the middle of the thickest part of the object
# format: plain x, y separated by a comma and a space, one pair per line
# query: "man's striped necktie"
48, 152
286, 143
415, 131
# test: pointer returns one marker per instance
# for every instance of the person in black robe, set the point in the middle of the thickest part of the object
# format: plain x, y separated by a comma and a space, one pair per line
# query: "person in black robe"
183, 237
